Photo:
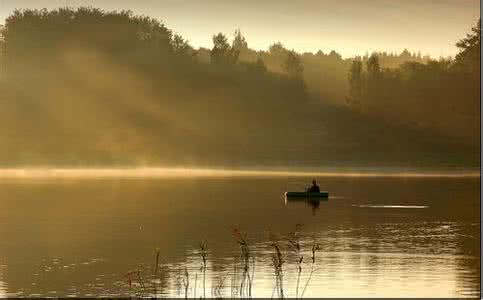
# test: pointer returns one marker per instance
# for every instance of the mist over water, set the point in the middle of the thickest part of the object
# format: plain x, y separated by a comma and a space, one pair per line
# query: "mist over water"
157, 172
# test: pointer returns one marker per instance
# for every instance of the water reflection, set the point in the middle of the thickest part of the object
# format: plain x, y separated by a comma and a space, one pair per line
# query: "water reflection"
334, 274
347, 258
3, 285
313, 203
83, 237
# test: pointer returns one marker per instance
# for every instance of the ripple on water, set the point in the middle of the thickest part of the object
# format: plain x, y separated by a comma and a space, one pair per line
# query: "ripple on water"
390, 206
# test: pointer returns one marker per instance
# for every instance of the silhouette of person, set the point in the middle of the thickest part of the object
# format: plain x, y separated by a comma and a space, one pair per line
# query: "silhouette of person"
314, 188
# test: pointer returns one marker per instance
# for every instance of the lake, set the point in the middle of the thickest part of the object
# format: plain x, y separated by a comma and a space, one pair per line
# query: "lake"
374, 237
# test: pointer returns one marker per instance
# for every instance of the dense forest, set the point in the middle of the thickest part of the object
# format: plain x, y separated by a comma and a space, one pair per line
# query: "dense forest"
90, 87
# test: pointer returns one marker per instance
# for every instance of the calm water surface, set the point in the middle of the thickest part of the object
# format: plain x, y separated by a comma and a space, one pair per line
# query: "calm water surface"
377, 236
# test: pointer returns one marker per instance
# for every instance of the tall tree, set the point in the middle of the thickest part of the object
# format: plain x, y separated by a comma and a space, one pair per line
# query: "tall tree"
373, 66
222, 52
373, 80
239, 41
355, 83
277, 48
293, 65
2, 52
239, 45
180, 45
469, 55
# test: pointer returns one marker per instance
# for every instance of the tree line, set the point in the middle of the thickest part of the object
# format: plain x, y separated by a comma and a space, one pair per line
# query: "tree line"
441, 95
110, 86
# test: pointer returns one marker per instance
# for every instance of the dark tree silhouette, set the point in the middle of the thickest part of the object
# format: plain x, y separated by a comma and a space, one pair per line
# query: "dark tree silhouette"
355, 83
293, 65
277, 49
470, 49
86, 86
239, 41
180, 45
440, 96
373, 66
222, 52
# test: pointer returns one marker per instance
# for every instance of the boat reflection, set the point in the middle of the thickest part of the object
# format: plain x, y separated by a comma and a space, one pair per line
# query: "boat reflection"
313, 203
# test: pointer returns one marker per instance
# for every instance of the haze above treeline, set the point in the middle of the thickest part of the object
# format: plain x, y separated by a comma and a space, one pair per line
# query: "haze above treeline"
84, 87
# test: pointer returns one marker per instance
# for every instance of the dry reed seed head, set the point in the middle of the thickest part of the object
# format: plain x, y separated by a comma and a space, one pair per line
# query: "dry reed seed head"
294, 245
239, 237
203, 245
277, 257
128, 277
157, 251
203, 253
315, 248
277, 248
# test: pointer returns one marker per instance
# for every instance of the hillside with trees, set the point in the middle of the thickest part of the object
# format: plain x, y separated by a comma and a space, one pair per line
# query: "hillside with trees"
85, 87
441, 96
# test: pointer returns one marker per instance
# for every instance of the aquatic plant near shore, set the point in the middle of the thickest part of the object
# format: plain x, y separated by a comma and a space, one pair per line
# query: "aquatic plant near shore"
294, 245
217, 289
156, 268
203, 253
278, 261
247, 280
186, 282
315, 248
141, 282
146, 281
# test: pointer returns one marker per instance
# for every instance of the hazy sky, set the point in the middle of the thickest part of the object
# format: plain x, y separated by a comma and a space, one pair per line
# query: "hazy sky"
348, 26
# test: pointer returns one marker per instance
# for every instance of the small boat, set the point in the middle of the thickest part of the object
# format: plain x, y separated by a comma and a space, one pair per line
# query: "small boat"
322, 194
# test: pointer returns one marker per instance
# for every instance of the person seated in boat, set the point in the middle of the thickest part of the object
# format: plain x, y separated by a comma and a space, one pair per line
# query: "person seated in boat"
314, 188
